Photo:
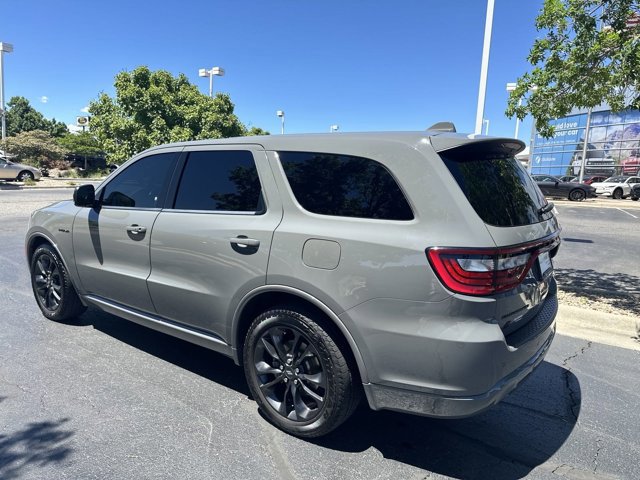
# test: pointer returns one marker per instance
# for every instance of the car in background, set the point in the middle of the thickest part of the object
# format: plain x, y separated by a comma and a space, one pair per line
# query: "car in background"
616, 187
17, 171
568, 178
590, 179
554, 187
635, 192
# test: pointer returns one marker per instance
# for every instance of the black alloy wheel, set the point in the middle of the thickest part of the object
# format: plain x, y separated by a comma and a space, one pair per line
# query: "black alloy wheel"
298, 373
577, 195
52, 286
617, 193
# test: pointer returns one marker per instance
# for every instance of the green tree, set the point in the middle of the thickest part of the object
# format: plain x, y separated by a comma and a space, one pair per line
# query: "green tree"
151, 108
254, 131
84, 143
22, 117
589, 55
35, 147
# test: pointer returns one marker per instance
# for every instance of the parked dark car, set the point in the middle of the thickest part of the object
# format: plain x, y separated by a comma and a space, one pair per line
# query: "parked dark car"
635, 192
554, 187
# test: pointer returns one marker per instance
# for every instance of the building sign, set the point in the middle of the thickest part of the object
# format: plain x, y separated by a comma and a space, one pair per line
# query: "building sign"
613, 145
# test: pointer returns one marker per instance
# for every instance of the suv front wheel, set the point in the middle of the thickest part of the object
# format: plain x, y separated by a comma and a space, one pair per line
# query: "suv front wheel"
52, 286
298, 374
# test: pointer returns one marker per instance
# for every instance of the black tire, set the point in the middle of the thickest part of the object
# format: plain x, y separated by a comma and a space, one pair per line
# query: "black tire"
25, 175
635, 199
52, 286
617, 194
299, 374
577, 195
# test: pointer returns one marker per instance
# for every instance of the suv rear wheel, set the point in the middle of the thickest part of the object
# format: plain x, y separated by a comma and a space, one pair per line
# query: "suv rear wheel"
52, 286
298, 374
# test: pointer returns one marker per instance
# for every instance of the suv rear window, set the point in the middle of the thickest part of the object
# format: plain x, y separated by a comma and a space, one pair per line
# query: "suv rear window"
344, 185
497, 185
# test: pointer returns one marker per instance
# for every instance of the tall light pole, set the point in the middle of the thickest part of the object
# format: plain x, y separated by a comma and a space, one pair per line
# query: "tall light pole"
510, 88
482, 91
215, 71
486, 120
4, 47
280, 113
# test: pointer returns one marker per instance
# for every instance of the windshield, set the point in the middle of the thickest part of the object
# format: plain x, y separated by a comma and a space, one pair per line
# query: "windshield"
497, 186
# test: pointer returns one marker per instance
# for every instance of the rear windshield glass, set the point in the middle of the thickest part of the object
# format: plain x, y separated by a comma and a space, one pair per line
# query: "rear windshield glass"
497, 186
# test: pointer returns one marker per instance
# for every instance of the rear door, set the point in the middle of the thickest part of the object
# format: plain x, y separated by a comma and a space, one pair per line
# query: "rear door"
211, 245
111, 243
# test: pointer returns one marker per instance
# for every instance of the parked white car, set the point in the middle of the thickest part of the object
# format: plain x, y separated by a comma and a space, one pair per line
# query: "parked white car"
17, 171
616, 187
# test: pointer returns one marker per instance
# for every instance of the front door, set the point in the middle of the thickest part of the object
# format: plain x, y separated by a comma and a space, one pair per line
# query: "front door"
111, 241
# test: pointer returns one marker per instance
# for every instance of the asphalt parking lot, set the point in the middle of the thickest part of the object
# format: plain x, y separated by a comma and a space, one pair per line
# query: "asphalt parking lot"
104, 398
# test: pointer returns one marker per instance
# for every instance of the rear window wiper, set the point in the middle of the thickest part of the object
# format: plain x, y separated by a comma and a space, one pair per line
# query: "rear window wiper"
546, 209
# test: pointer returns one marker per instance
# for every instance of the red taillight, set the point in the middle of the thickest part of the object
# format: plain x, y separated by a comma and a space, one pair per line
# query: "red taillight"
488, 270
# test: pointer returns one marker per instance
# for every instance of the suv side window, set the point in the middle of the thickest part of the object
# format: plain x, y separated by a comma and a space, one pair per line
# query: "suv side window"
143, 184
344, 185
220, 180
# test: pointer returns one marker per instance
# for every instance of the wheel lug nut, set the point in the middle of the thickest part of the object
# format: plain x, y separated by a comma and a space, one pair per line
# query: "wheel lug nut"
295, 382
289, 361
297, 370
281, 367
286, 379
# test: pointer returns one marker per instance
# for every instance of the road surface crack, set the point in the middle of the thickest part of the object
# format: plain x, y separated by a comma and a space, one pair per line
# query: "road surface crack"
574, 396
595, 457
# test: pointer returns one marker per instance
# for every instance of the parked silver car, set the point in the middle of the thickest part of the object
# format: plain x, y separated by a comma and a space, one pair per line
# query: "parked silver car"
17, 171
413, 268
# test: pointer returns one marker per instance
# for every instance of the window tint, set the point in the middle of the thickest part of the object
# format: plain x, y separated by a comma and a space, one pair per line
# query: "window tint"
345, 186
496, 185
220, 180
143, 184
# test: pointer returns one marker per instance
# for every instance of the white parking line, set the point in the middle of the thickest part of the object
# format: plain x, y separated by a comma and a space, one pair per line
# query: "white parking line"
630, 214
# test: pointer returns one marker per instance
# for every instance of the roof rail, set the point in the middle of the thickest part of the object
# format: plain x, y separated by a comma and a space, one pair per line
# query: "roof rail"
443, 127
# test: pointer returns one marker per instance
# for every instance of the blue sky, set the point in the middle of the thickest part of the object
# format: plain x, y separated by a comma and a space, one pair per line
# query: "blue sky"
363, 65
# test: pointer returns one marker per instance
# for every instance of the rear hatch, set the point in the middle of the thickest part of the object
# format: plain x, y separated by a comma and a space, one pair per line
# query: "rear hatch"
518, 273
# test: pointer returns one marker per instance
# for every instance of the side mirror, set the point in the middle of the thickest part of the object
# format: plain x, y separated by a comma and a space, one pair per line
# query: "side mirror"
84, 196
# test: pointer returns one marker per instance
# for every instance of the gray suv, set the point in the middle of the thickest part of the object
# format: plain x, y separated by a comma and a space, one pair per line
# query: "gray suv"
414, 268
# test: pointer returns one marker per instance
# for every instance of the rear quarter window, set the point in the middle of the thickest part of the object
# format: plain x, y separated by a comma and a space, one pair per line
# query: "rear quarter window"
344, 185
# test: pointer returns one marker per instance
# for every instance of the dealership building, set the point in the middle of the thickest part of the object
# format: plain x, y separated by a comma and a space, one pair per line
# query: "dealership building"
613, 146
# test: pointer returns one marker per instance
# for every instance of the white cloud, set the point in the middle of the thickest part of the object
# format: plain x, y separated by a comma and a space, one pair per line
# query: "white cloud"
44, 99
85, 109
74, 128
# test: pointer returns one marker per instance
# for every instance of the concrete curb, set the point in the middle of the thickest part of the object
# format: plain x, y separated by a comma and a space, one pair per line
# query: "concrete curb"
601, 327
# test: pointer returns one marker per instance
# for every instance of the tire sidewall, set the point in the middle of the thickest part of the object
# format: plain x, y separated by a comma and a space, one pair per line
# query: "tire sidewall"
305, 326
64, 278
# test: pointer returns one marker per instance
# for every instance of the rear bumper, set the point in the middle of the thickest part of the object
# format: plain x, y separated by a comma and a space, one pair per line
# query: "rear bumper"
382, 397
446, 359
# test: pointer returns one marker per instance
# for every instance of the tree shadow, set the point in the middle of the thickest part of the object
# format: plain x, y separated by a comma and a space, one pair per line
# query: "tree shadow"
38, 444
620, 290
505, 442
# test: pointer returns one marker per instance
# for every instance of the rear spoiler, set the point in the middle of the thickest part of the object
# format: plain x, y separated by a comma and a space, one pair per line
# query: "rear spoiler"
464, 145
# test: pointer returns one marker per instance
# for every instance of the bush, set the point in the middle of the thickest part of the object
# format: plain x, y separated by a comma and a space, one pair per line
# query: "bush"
37, 148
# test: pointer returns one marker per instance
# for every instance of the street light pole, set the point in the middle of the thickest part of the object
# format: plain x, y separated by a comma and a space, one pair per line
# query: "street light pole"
280, 113
215, 71
510, 88
4, 47
485, 66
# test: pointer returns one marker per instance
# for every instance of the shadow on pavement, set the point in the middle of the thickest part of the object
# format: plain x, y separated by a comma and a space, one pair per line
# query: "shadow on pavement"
38, 444
621, 290
505, 442
199, 360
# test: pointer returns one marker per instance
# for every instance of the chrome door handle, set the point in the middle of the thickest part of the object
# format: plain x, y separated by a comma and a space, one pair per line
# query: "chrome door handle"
136, 229
243, 241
